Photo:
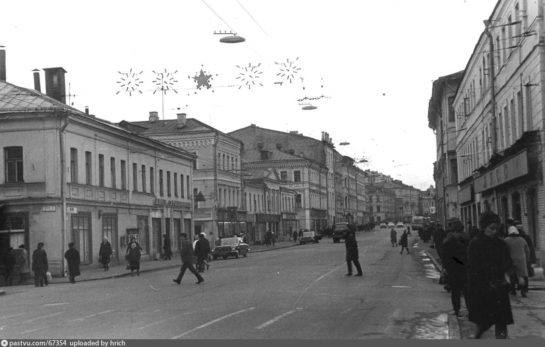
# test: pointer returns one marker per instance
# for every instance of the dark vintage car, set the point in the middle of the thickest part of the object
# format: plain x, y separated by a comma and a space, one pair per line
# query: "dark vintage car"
309, 237
229, 248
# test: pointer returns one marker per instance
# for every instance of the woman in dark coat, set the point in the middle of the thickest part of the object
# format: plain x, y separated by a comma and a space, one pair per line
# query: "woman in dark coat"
488, 289
133, 257
455, 253
105, 253
73, 261
40, 265
393, 236
352, 253
404, 241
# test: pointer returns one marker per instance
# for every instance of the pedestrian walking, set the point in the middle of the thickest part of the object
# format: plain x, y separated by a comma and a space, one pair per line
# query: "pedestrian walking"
488, 288
295, 234
202, 249
105, 253
187, 261
438, 239
21, 261
40, 266
404, 241
352, 253
531, 246
520, 255
73, 261
133, 257
9, 266
455, 253
273, 238
393, 236
167, 252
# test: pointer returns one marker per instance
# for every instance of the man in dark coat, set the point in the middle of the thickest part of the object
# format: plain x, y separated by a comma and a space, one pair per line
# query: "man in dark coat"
167, 252
133, 257
438, 238
202, 249
105, 253
455, 264
404, 241
73, 261
9, 266
40, 265
352, 253
488, 289
187, 261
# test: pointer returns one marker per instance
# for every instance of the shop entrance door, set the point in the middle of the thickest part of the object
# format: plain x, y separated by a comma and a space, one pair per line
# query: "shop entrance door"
157, 237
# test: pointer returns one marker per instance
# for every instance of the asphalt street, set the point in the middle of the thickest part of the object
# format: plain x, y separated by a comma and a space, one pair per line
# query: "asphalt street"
300, 292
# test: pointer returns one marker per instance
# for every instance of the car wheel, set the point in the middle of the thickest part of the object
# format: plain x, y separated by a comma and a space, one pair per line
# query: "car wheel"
214, 257
236, 255
224, 257
245, 255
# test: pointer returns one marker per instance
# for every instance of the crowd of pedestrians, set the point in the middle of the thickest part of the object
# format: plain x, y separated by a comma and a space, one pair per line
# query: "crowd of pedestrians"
484, 265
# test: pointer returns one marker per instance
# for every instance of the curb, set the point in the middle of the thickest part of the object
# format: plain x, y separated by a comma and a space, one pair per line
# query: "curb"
272, 249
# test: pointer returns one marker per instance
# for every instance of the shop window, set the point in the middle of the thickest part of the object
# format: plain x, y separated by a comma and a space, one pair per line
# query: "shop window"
14, 164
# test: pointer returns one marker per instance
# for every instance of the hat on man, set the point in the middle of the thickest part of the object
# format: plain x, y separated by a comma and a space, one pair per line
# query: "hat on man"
512, 230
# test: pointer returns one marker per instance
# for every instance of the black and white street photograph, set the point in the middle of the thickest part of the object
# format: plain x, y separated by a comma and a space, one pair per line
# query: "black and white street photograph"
259, 170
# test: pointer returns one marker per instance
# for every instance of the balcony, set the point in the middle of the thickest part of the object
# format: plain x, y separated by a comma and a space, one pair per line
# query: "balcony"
9, 191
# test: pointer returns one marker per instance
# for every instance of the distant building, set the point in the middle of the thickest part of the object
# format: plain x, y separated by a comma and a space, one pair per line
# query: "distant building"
67, 176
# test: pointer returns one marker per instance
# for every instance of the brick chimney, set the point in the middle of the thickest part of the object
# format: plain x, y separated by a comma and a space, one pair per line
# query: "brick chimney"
181, 118
2, 64
36, 74
153, 116
54, 83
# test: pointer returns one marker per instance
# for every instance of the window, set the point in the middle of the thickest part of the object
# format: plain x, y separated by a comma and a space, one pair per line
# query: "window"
220, 197
513, 122
175, 184
112, 171
187, 182
123, 175
168, 183
498, 49
151, 181
298, 201
181, 186
134, 177
284, 175
378, 208
88, 168
500, 131
236, 164
222, 163
101, 170
297, 176
73, 165
518, 24
144, 178
506, 125
520, 112
505, 44
232, 163
451, 109
510, 28
161, 193
528, 106
14, 164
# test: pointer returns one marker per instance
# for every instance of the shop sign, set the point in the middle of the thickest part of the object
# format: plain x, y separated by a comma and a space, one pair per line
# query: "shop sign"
156, 214
203, 213
465, 194
172, 203
50, 208
515, 167
73, 210
267, 218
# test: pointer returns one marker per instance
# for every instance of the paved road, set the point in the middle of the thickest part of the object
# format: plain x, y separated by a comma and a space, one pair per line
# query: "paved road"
299, 292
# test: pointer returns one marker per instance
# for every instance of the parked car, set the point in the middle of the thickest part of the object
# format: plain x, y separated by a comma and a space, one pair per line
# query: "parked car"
230, 247
339, 232
308, 236
383, 226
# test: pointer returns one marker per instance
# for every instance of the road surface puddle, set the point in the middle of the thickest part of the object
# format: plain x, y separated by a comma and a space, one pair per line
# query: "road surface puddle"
434, 328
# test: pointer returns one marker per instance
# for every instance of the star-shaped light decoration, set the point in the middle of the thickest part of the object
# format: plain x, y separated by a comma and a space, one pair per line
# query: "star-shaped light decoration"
202, 79
165, 81
249, 76
129, 82
288, 69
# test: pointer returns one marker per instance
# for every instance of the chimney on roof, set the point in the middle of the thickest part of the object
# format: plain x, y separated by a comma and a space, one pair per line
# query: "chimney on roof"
36, 74
2, 64
294, 132
54, 83
180, 119
87, 110
153, 116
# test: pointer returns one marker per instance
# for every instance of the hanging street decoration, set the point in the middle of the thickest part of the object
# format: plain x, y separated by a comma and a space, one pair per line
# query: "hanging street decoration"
129, 82
311, 98
231, 37
203, 80
164, 81
288, 70
309, 107
249, 76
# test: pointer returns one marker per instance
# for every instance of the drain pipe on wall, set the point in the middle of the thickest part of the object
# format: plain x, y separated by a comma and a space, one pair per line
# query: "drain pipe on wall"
64, 118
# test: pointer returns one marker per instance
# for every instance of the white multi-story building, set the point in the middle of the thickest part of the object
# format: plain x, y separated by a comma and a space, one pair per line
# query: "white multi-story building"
500, 120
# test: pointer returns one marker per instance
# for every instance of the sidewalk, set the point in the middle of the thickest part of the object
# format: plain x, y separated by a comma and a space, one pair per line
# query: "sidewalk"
95, 272
528, 313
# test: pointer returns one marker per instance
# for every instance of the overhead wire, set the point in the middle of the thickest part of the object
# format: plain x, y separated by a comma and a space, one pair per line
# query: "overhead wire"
252, 17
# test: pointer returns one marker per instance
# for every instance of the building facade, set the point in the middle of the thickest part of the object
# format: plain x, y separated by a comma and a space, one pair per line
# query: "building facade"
217, 180
442, 120
67, 176
500, 119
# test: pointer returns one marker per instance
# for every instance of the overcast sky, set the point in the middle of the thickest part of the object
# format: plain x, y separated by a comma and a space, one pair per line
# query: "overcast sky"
374, 60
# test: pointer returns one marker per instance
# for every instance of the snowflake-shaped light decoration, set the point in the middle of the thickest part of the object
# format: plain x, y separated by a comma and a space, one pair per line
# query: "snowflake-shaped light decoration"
249, 76
288, 69
129, 82
165, 81
203, 79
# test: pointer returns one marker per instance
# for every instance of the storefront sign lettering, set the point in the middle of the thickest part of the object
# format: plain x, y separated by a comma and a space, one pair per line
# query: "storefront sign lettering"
512, 168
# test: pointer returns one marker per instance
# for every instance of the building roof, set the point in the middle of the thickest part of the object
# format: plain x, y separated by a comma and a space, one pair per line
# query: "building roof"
18, 99
283, 133
437, 93
171, 126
